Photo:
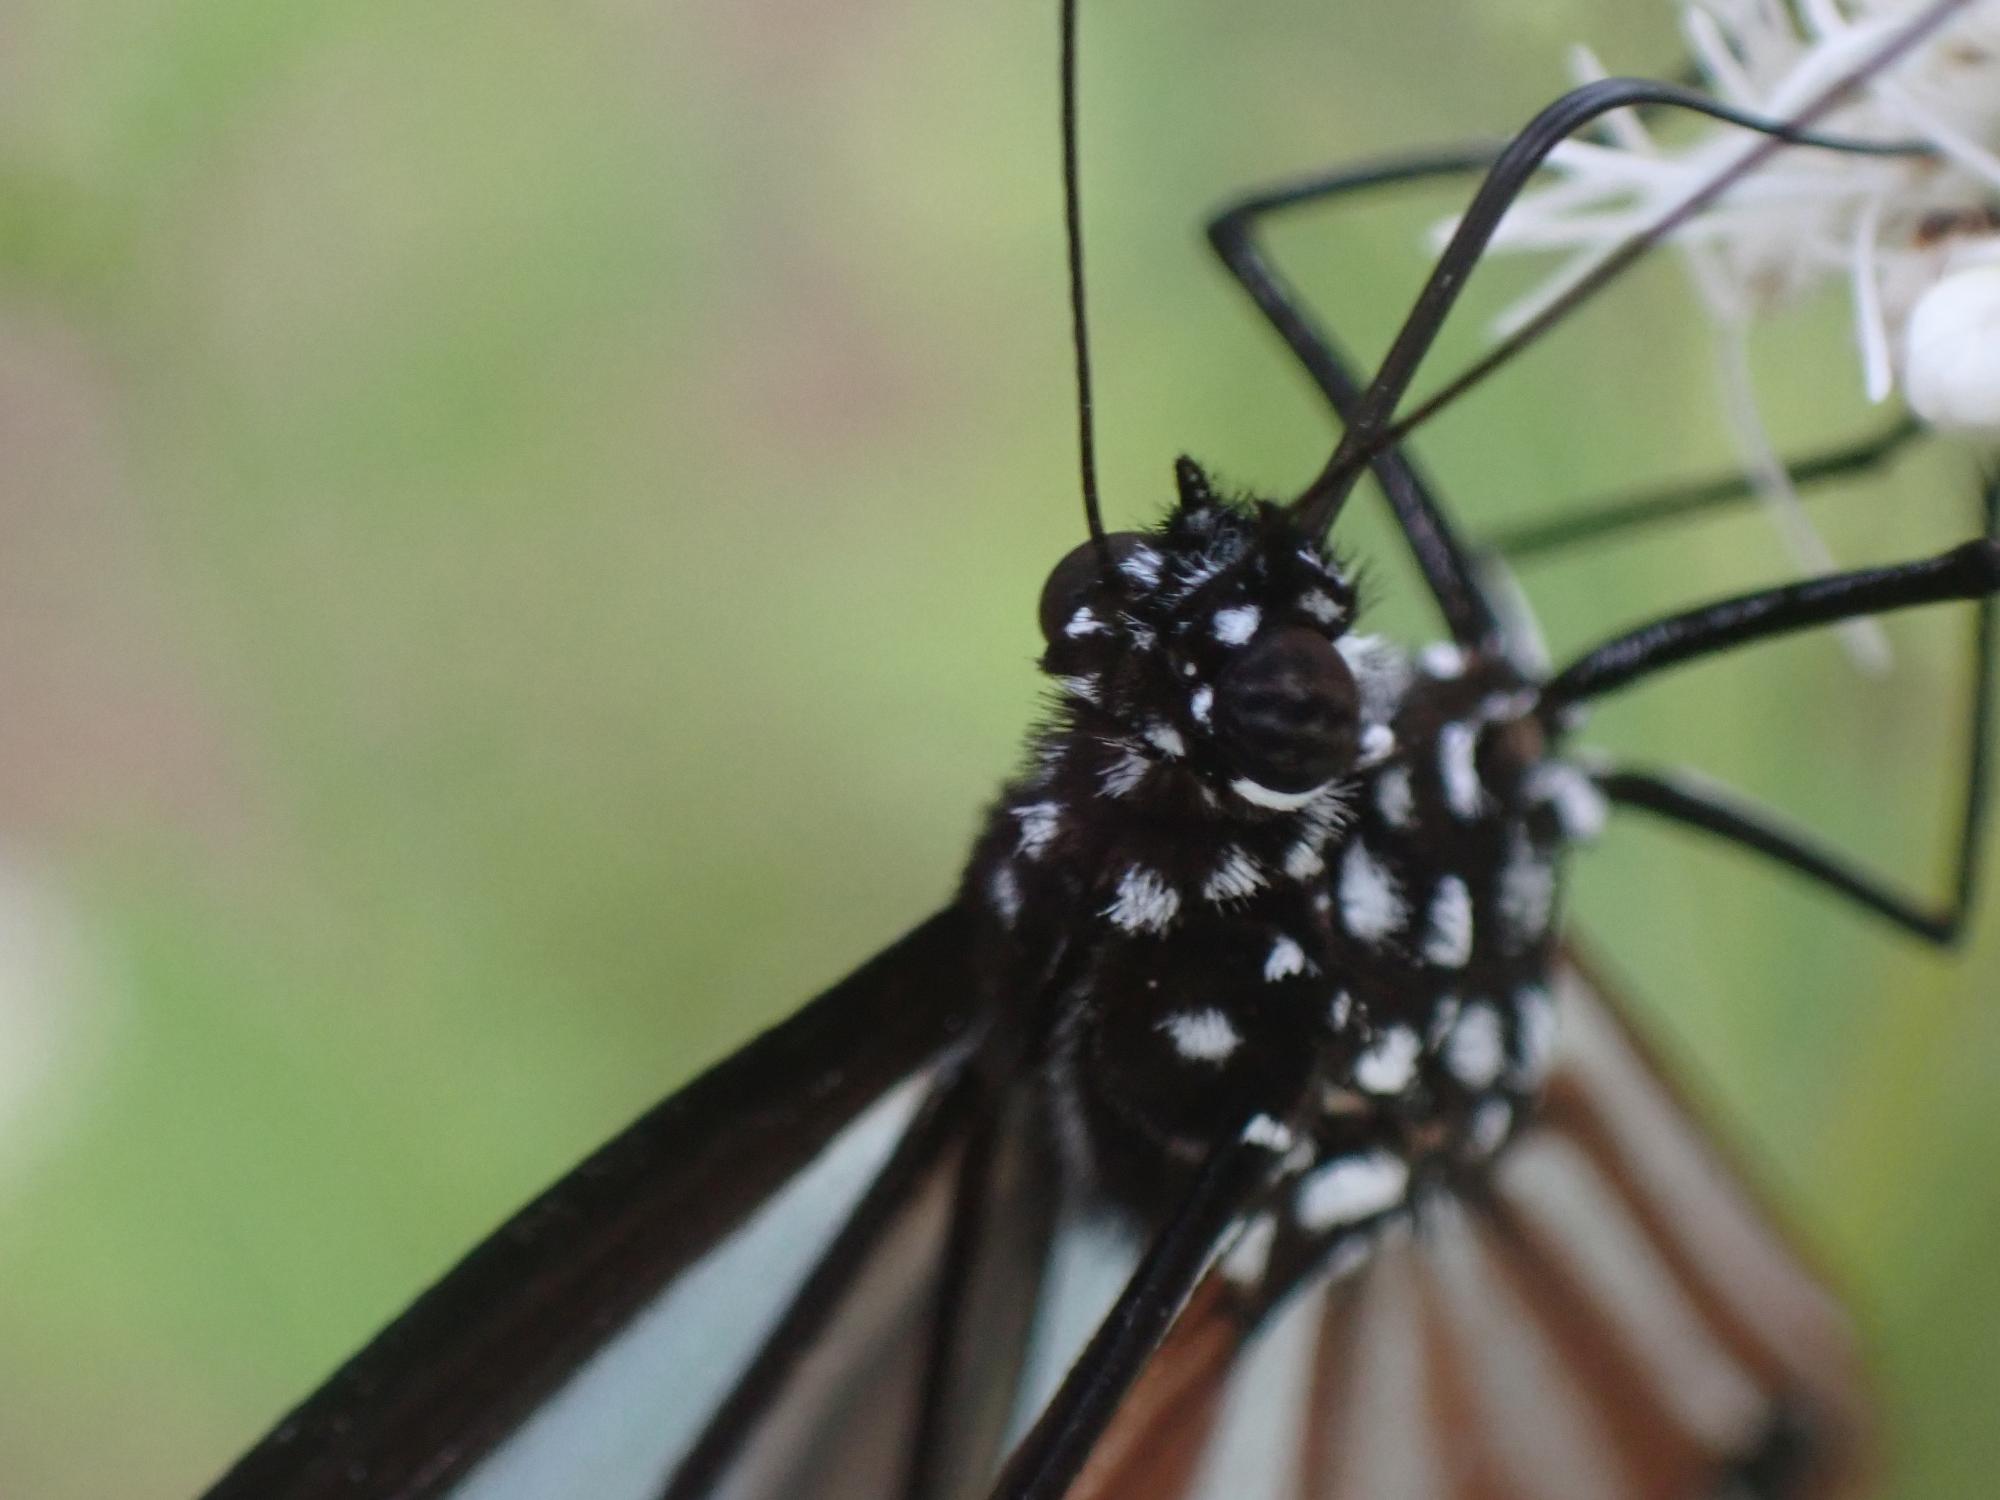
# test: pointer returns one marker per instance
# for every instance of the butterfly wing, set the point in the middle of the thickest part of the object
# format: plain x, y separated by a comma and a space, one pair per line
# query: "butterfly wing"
906, 1384
628, 1297
1610, 1316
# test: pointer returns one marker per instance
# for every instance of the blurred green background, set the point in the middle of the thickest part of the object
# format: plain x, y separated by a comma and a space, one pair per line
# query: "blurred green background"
519, 526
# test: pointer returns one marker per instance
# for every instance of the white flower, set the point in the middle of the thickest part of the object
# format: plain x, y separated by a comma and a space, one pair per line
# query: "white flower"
1917, 238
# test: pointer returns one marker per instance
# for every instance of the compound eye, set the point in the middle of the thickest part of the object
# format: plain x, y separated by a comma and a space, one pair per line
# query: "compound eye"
1078, 580
1287, 711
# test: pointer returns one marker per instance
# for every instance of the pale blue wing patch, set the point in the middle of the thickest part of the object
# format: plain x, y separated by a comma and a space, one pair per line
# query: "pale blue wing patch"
615, 1428
1091, 1257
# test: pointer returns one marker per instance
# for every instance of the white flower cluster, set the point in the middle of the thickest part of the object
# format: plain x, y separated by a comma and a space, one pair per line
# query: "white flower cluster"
1916, 236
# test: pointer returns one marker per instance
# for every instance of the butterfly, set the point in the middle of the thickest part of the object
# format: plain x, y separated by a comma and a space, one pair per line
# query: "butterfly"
1246, 1112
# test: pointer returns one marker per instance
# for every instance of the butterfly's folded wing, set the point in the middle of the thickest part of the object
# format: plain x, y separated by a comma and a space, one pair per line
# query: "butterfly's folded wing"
582, 1348
1612, 1315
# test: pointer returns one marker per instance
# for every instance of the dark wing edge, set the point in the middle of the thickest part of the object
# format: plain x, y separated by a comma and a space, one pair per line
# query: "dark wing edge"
1613, 1314
468, 1360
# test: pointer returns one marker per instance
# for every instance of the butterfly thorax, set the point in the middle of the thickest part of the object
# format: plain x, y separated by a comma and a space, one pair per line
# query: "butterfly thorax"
1262, 868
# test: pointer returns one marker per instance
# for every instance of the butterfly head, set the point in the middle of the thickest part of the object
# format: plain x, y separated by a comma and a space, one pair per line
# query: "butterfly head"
1212, 639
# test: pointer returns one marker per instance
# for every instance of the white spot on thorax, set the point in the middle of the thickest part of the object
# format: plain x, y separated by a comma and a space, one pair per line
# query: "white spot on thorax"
1285, 959
1321, 605
1193, 575
1144, 902
1245, 1261
1580, 806
1489, 1126
1526, 897
1499, 708
1202, 1035
1390, 1066
1535, 1036
1340, 1011
1351, 1189
1235, 626
1442, 659
1448, 936
1123, 775
1142, 566
1371, 903
1201, 702
1378, 743
1458, 769
1236, 876
1476, 1051
1272, 1135
1166, 739
1303, 860
1004, 891
1040, 822
1083, 622
1394, 798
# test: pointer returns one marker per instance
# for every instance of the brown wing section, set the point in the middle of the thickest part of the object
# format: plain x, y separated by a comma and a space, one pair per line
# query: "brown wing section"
1611, 1314
1156, 1445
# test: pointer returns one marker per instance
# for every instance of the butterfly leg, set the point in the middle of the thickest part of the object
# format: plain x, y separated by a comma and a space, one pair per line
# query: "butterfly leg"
1603, 517
1967, 572
1233, 234
1054, 1450
1367, 411
1715, 811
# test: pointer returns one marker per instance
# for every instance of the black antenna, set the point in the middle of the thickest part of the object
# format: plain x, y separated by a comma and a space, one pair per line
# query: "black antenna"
1375, 428
1086, 434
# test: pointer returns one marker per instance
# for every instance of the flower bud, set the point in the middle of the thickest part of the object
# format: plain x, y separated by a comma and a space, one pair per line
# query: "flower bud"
1951, 353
